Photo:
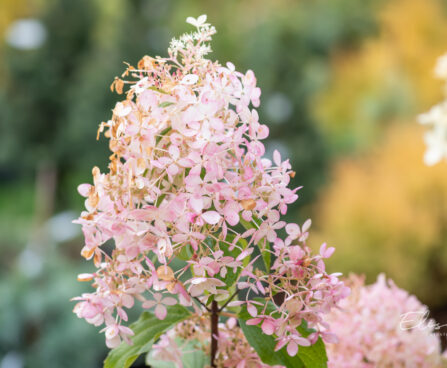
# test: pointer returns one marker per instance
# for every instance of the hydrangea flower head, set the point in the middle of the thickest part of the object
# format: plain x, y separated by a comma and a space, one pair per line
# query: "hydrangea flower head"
187, 180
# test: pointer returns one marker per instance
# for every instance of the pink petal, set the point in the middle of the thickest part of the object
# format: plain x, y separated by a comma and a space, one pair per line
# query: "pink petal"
84, 189
111, 332
292, 229
148, 304
292, 348
244, 254
113, 342
190, 78
126, 330
172, 169
127, 301
302, 341
306, 225
211, 217
268, 327
198, 280
252, 310
232, 218
277, 158
330, 338
241, 364
160, 311
231, 213
254, 321
196, 203
169, 301
280, 344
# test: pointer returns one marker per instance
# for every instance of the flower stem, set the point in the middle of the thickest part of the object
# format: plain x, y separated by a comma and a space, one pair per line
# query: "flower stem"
214, 332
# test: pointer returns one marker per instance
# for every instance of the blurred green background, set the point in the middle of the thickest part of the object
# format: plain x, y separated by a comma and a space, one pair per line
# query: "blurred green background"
342, 82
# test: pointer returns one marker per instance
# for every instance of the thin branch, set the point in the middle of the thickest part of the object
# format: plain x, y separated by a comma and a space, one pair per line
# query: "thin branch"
214, 332
202, 304
228, 301
226, 314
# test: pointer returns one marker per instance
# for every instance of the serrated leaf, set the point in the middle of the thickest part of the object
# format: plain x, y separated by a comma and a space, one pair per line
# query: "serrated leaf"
147, 329
313, 356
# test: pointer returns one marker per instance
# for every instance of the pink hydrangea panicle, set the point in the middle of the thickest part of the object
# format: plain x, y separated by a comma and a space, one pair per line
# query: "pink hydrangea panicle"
187, 172
381, 325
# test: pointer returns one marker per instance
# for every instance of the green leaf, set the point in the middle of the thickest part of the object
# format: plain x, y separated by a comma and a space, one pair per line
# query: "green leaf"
158, 90
266, 256
166, 104
192, 356
231, 276
147, 330
185, 253
313, 356
162, 134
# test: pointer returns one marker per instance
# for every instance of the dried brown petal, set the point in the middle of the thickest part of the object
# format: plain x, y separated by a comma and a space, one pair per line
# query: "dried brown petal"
248, 204
97, 259
96, 172
147, 63
93, 199
85, 277
165, 273
87, 253
141, 163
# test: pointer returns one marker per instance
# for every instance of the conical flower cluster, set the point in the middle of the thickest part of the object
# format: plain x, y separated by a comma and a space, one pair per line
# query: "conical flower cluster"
187, 180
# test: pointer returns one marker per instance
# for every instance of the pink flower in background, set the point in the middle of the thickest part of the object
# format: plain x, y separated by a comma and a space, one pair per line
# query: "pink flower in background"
376, 327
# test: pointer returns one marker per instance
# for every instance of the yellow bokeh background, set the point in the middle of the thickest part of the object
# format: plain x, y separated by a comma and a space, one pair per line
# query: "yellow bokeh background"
383, 209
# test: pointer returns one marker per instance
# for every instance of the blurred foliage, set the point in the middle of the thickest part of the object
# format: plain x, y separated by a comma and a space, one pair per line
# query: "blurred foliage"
389, 77
38, 323
11, 10
54, 97
386, 211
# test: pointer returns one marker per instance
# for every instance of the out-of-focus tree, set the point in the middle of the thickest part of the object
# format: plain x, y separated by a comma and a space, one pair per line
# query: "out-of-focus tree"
384, 210
388, 77
387, 212
34, 95
9, 11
